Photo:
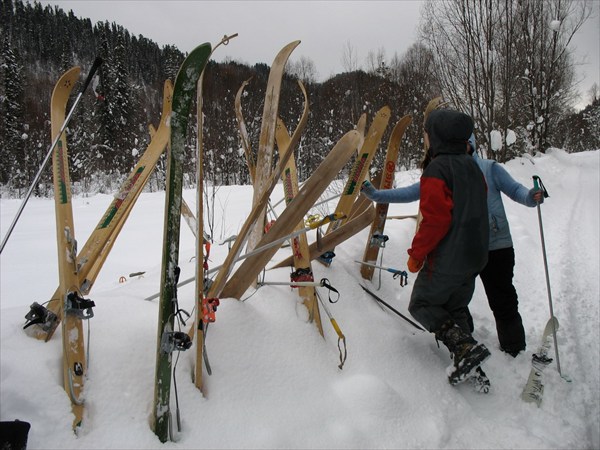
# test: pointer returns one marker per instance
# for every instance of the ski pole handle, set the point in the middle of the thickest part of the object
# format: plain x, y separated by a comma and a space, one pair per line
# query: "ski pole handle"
538, 184
97, 63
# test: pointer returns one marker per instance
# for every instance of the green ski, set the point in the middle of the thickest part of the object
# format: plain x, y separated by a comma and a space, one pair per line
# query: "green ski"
183, 95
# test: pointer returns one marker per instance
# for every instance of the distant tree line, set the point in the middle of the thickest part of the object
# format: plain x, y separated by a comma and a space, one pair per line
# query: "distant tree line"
506, 91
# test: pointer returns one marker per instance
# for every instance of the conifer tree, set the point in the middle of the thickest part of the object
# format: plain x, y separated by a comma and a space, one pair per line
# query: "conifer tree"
13, 162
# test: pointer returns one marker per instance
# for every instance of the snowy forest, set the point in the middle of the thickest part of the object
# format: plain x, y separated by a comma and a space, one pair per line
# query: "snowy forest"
508, 64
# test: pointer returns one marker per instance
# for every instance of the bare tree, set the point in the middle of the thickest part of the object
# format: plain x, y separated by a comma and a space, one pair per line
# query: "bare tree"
349, 58
376, 61
461, 34
506, 62
546, 30
304, 69
414, 74
593, 93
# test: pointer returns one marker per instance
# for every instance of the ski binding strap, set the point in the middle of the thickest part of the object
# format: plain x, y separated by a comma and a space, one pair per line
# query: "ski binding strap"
302, 274
175, 341
209, 308
540, 361
327, 257
42, 316
207, 285
379, 240
268, 226
79, 306
312, 220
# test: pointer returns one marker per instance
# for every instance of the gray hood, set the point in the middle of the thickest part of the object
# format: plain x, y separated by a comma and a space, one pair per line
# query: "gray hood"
448, 131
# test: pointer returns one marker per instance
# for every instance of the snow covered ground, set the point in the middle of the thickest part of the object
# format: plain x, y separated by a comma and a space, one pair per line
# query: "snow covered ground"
276, 382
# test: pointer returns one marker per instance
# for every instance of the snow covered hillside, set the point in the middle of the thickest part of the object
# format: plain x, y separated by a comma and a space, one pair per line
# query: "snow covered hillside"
276, 382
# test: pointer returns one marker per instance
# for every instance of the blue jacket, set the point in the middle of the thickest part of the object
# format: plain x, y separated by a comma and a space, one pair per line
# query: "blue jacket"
498, 180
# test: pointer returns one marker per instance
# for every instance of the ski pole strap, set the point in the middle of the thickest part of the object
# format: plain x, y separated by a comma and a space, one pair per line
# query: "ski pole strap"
326, 284
338, 330
341, 340
179, 313
538, 184
206, 255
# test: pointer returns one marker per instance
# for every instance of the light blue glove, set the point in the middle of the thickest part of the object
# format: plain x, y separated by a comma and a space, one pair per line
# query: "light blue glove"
536, 195
368, 189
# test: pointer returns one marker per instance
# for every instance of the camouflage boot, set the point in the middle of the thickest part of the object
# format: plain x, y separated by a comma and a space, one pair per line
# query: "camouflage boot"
465, 351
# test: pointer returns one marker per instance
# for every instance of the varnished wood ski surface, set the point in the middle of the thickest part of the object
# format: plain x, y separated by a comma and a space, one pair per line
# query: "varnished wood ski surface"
74, 358
293, 213
387, 180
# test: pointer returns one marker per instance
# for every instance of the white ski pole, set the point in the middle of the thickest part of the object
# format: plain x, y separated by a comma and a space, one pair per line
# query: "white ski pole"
537, 184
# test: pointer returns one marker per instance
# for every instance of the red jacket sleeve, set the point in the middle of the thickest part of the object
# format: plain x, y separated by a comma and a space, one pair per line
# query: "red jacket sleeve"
436, 208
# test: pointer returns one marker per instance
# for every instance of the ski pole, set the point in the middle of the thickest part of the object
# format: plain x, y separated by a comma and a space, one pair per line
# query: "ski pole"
97, 63
312, 226
537, 184
295, 284
292, 284
397, 273
391, 308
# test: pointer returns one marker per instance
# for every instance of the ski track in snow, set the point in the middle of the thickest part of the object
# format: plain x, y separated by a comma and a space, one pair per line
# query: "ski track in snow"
576, 281
275, 381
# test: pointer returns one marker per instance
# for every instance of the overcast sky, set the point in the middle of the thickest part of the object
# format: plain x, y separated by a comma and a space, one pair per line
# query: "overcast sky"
264, 27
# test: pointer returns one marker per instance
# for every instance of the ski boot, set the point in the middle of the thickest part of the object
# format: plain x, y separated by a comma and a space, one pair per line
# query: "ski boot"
465, 351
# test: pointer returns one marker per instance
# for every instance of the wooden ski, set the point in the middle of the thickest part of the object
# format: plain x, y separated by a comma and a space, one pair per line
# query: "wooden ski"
299, 243
311, 190
244, 131
264, 158
312, 225
361, 216
200, 301
361, 166
92, 256
258, 210
74, 358
389, 170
